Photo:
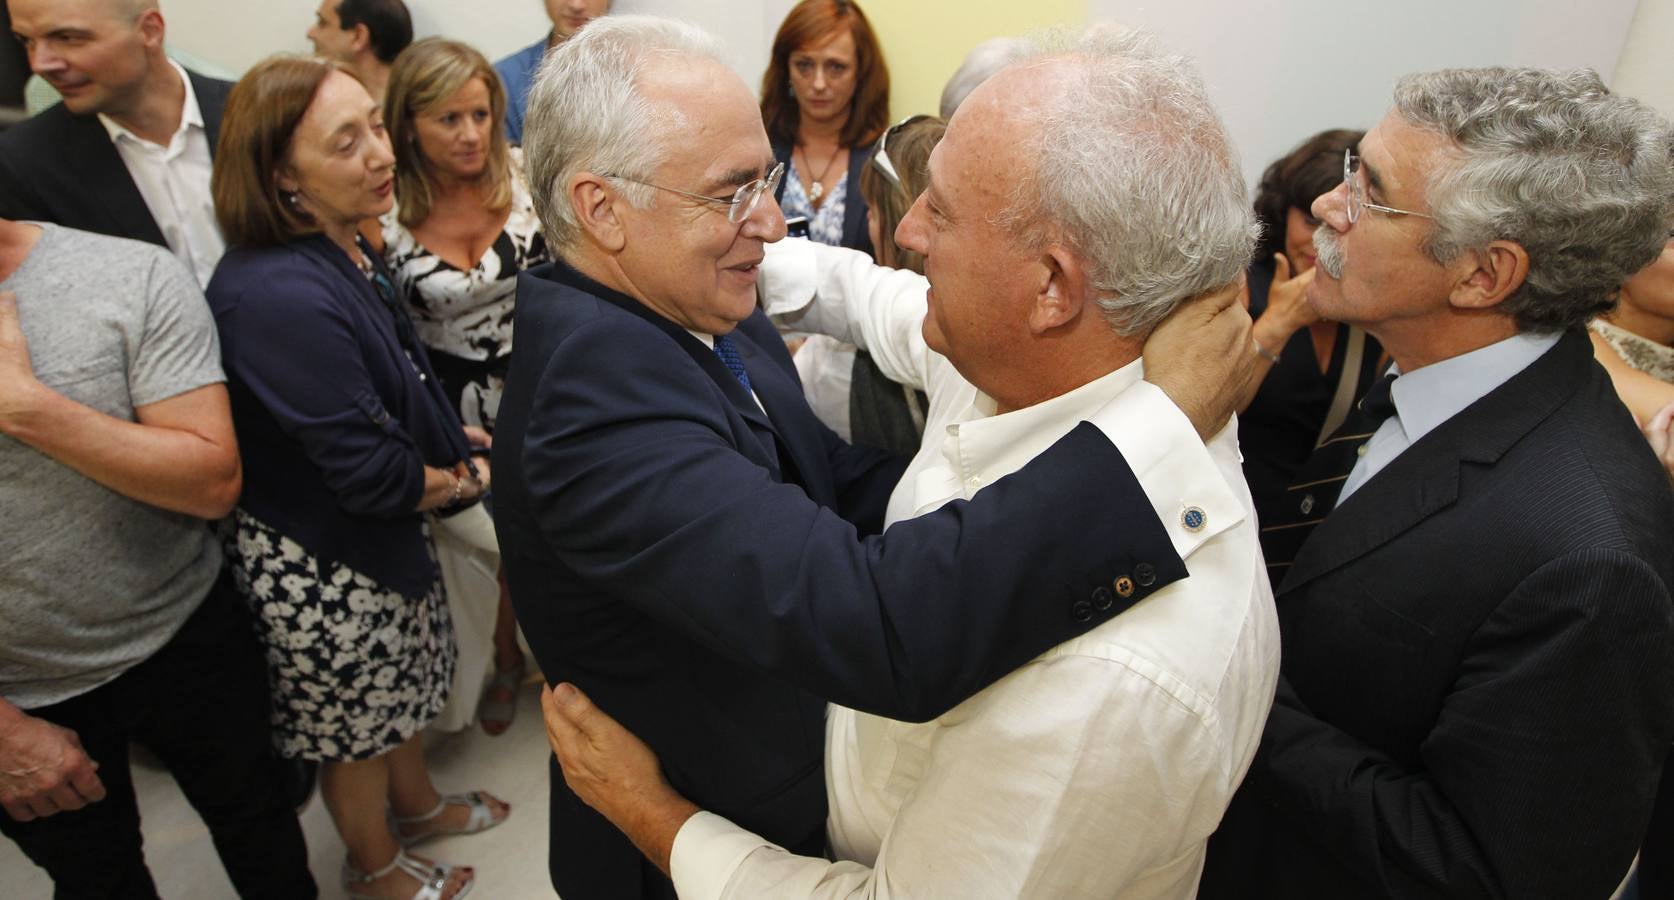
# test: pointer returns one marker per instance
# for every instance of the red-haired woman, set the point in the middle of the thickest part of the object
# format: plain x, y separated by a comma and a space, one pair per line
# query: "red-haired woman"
824, 99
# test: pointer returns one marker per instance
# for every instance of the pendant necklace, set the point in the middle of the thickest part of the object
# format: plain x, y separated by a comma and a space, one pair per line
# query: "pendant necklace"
817, 190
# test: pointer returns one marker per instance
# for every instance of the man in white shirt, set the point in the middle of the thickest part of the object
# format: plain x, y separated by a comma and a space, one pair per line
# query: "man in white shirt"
1101, 767
127, 153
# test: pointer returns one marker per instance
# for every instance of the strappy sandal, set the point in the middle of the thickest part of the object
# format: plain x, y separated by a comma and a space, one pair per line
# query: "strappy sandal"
504, 682
481, 819
432, 878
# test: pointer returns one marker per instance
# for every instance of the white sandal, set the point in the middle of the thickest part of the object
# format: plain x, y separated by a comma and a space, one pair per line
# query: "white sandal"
432, 879
481, 818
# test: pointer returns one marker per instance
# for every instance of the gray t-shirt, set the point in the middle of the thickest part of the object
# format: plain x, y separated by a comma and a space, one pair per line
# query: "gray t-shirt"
91, 582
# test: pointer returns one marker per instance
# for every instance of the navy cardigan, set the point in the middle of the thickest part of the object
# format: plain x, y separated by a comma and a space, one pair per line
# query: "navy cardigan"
335, 418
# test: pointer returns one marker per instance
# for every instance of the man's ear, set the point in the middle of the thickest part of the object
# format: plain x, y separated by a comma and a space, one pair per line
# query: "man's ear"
150, 27
362, 40
1484, 278
1064, 289
596, 204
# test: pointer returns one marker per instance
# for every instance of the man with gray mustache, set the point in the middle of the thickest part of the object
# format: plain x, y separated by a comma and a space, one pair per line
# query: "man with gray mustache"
1478, 637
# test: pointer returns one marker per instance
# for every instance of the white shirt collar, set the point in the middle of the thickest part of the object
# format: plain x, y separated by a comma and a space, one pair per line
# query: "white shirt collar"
1432, 394
191, 116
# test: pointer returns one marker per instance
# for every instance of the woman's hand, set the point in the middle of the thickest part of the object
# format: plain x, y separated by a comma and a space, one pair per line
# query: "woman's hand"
1287, 306
1660, 432
477, 438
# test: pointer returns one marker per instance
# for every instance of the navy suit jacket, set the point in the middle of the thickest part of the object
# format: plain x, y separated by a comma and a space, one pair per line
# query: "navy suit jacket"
1478, 663
62, 168
680, 556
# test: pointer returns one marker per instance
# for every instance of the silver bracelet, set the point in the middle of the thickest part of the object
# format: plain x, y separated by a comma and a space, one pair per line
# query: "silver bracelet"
1262, 351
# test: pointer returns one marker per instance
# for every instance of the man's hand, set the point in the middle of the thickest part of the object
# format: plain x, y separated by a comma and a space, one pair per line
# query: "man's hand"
17, 373
1660, 432
43, 769
1200, 357
614, 772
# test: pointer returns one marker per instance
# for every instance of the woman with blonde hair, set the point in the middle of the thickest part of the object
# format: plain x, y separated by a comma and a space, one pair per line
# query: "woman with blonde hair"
463, 227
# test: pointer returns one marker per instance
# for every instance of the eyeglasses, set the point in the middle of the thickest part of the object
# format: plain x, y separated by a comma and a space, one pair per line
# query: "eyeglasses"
1357, 193
742, 202
880, 156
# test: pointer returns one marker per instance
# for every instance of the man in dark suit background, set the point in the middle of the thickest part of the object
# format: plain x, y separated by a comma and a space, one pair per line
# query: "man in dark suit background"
1478, 651
127, 152
663, 491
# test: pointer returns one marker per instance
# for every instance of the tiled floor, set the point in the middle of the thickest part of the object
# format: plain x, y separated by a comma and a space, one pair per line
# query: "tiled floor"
510, 860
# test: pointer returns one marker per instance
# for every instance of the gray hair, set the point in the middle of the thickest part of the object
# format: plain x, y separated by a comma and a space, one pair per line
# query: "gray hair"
1134, 172
1582, 179
980, 64
587, 113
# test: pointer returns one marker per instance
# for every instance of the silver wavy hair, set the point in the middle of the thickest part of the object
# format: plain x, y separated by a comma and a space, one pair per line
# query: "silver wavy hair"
587, 114
1581, 178
1134, 172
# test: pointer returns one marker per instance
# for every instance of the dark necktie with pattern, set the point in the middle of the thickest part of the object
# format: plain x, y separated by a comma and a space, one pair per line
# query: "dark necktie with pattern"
728, 352
1313, 494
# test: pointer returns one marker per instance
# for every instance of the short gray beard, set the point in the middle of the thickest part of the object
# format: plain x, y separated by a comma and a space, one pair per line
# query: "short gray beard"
1330, 253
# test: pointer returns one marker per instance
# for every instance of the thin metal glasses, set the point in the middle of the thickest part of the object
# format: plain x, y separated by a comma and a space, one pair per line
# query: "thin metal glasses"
742, 202
1357, 193
880, 157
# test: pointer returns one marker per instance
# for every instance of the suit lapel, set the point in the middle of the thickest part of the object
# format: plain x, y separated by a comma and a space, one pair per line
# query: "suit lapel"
784, 400
1424, 479
105, 181
212, 98
736, 394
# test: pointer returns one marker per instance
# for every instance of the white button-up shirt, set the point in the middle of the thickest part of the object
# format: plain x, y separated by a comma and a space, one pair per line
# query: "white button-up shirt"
174, 181
1098, 769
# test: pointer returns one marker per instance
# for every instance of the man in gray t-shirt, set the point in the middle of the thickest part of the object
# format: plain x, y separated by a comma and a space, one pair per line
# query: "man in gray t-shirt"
116, 444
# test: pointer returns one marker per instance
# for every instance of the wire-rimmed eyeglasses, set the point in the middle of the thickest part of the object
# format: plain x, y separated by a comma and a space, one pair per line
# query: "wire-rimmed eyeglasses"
1357, 193
880, 156
742, 202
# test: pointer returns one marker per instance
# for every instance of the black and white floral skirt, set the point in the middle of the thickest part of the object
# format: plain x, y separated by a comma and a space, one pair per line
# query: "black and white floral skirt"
355, 668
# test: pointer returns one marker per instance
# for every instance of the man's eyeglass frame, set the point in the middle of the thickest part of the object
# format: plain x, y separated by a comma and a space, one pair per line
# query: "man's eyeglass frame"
740, 205
1357, 193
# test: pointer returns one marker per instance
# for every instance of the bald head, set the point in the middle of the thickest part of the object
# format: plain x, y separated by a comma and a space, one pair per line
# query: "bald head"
102, 56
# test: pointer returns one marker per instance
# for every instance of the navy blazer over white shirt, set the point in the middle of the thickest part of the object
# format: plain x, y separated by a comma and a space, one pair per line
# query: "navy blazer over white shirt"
680, 556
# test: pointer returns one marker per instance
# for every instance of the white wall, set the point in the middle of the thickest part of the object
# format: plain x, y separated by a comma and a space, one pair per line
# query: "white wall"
1646, 70
1281, 70
231, 36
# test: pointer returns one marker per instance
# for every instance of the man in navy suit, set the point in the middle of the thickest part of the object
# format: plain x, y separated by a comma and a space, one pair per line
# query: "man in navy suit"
1478, 650
683, 539
127, 153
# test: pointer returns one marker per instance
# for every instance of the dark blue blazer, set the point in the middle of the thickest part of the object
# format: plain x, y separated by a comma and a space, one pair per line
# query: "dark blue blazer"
1478, 664
335, 417
854, 206
62, 168
686, 560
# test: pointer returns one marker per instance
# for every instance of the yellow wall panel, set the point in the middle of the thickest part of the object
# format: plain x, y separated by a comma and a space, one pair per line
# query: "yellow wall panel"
925, 40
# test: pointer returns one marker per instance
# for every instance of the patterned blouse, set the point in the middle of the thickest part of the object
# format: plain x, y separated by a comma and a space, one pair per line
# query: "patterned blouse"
825, 224
1643, 354
467, 314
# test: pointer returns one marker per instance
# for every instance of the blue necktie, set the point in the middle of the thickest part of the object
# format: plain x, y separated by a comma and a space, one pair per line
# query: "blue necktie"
728, 353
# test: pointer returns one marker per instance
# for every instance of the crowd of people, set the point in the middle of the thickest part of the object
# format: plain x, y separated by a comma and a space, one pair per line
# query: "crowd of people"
944, 508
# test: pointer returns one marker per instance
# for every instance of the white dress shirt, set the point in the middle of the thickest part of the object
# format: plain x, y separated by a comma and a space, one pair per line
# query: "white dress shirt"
1101, 767
1430, 395
174, 180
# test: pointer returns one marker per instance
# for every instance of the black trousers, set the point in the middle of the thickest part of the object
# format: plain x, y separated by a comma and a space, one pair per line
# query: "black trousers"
201, 705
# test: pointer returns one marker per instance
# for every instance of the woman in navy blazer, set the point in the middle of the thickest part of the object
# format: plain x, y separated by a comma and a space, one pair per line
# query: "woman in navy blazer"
347, 441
